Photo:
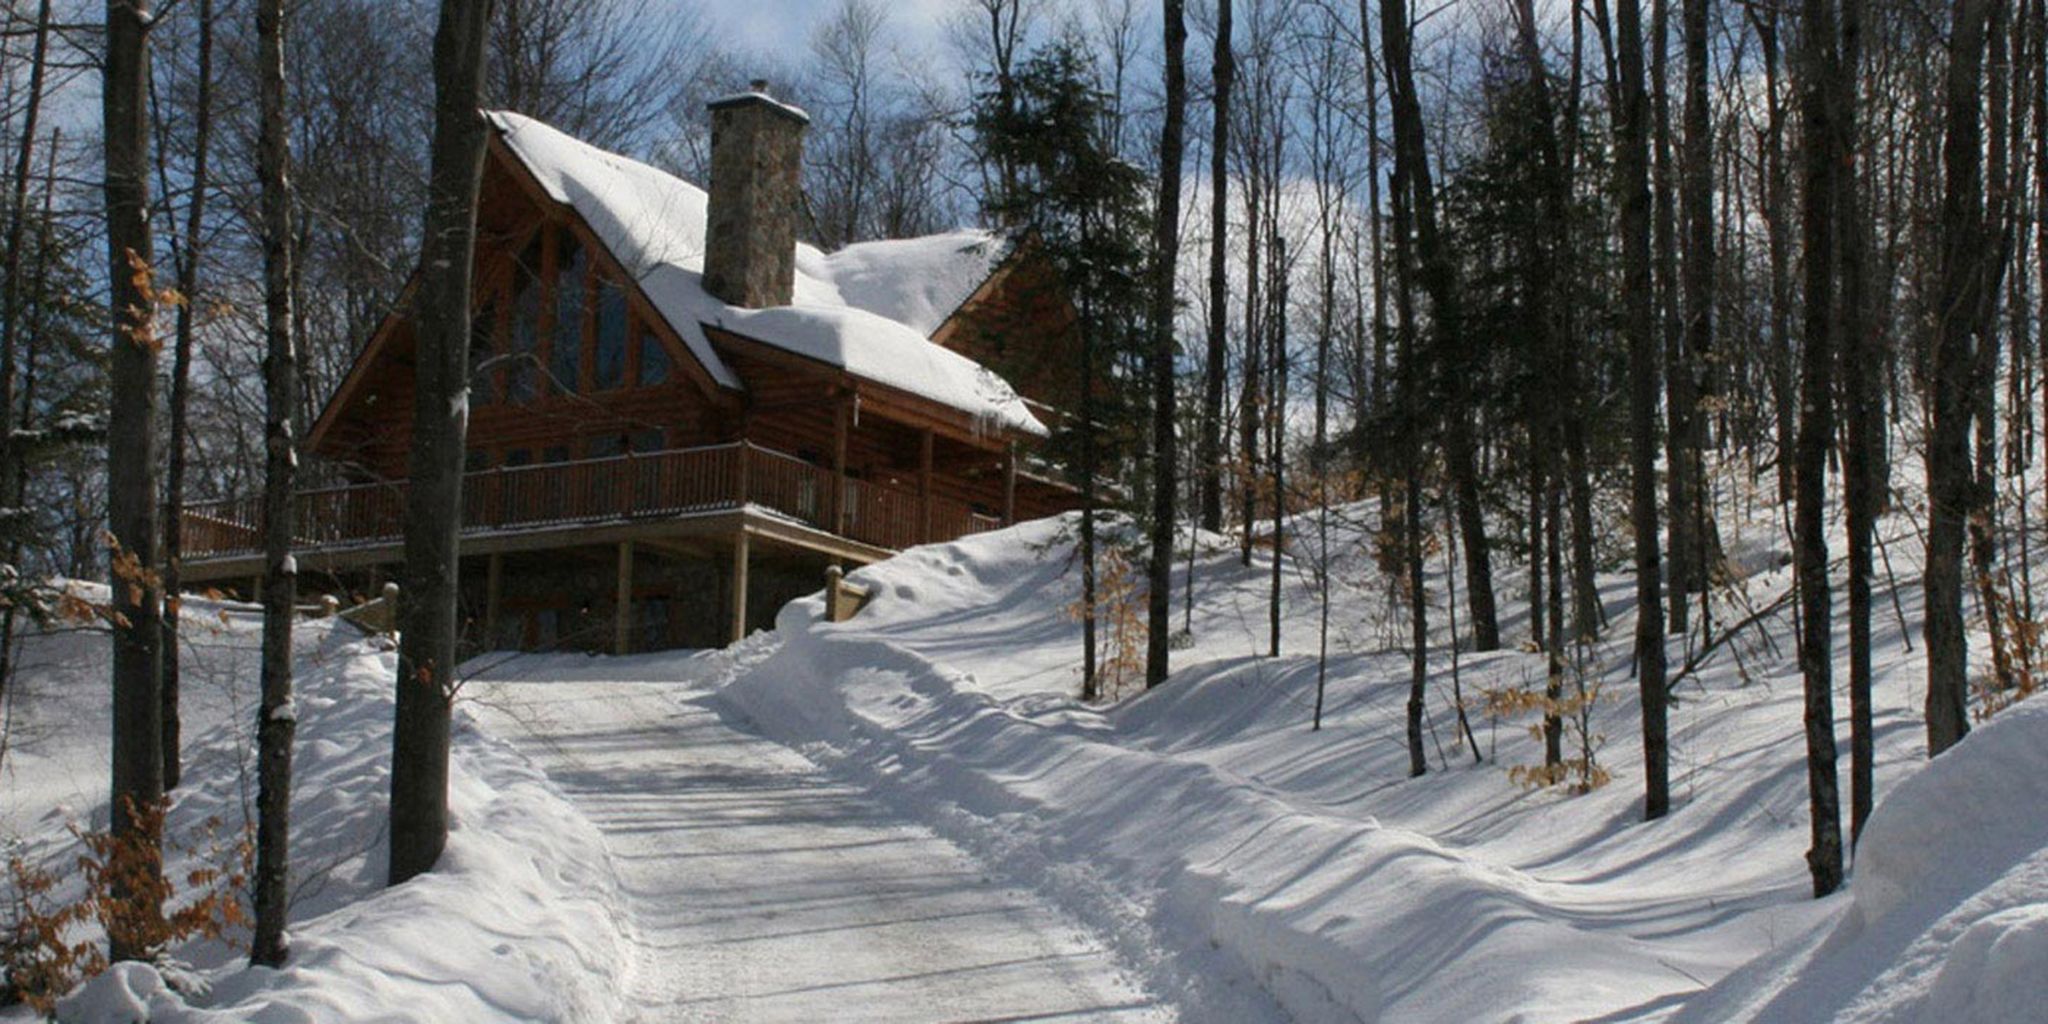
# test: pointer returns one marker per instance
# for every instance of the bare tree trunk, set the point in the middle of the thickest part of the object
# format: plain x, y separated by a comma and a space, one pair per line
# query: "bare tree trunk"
1438, 275
1696, 346
1276, 429
1319, 456
1159, 360
181, 388
1983, 518
1632, 171
1816, 432
433, 515
1394, 43
2040, 63
1091, 671
1250, 396
1664, 235
276, 718
1950, 488
132, 442
1778, 238
1586, 611
11, 469
1863, 361
1210, 460
1379, 263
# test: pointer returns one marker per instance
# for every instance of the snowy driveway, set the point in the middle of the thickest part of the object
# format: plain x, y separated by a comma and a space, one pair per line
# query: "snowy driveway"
765, 890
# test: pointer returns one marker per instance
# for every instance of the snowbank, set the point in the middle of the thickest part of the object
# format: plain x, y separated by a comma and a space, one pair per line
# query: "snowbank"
1948, 920
1335, 914
519, 922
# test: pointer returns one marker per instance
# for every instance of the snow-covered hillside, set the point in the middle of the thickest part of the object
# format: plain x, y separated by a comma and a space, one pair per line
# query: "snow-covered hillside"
1206, 820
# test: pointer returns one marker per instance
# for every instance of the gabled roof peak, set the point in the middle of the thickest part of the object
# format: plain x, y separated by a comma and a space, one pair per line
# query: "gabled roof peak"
869, 308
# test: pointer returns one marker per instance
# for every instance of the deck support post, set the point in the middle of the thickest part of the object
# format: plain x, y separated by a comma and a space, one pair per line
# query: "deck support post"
1010, 485
739, 586
622, 604
841, 413
924, 486
743, 455
494, 573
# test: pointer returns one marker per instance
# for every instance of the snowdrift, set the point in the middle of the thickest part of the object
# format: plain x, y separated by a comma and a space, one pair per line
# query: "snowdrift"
1205, 875
1948, 922
519, 922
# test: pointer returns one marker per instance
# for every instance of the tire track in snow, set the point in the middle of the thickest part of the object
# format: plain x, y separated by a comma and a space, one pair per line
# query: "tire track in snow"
764, 889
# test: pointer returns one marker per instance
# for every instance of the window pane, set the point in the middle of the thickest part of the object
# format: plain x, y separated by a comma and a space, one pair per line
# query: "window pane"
555, 453
519, 457
482, 390
520, 370
654, 361
649, 440
605, 446
565, 363
610, 367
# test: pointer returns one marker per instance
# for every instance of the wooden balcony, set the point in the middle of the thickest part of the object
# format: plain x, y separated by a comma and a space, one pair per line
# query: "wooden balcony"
570, 497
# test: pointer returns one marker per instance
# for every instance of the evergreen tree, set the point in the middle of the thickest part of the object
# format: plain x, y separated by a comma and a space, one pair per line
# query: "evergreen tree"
1066, 188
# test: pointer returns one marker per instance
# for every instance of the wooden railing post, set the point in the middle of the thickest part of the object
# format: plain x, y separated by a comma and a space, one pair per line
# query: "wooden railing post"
1010, 485
626, 486
840, 414
924, 487
744, 453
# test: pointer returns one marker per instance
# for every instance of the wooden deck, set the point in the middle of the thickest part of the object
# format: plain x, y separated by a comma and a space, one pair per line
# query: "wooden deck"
717, 489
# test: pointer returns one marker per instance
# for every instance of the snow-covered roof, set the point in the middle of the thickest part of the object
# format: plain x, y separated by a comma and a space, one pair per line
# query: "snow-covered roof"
869, 308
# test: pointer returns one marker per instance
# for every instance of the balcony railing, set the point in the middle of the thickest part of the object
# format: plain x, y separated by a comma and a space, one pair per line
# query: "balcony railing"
651, 485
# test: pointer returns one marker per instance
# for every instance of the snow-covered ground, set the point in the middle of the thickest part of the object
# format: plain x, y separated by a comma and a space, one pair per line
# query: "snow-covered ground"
521, 922
1206, 820
908, 816
765, 890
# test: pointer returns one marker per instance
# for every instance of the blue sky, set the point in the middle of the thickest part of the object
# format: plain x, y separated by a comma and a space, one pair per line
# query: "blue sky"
783, 27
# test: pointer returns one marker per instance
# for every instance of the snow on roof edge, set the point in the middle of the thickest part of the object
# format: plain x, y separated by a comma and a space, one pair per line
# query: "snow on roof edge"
853, 309
755, 95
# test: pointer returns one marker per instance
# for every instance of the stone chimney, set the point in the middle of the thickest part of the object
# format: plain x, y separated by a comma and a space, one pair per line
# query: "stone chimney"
756, 157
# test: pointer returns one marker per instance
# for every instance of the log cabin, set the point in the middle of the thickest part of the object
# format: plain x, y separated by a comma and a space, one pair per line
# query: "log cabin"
679, 415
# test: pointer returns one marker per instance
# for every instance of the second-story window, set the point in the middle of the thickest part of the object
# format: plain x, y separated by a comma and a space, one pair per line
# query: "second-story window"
482, 336
608, 363
522, 369
654, 361
565, 361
